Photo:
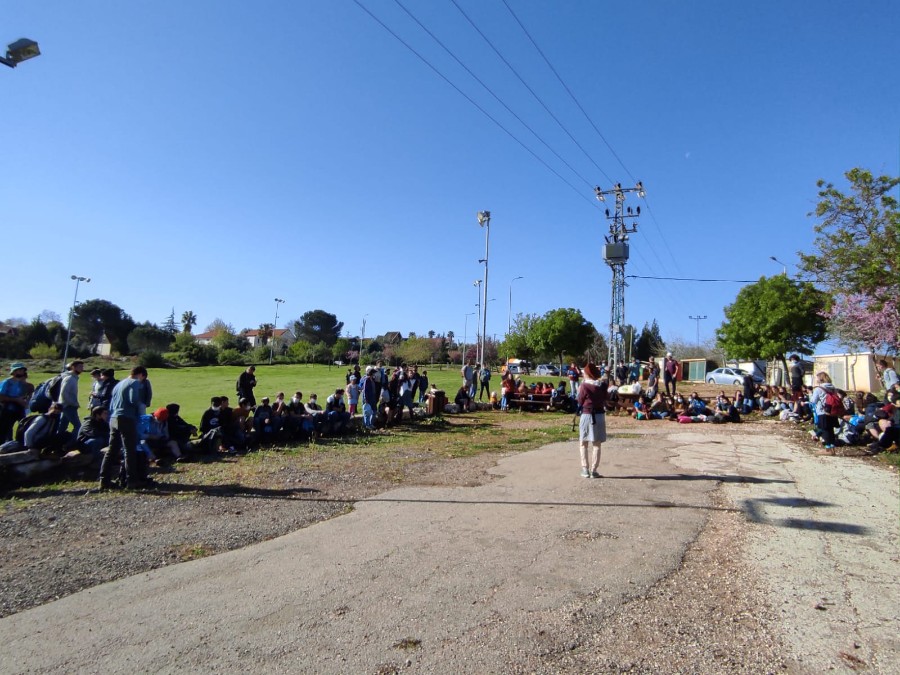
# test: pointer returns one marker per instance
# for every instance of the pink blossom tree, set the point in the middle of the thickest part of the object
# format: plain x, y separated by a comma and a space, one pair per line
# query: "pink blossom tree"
862, 320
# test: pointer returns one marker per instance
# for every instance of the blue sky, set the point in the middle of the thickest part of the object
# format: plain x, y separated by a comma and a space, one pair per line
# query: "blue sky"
212, 156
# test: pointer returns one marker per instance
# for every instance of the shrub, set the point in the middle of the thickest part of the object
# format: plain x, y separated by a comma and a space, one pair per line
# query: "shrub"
43, 351
151, 359
230, 357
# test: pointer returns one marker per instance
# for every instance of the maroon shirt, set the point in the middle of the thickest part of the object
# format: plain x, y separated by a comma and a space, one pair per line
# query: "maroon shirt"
592, 397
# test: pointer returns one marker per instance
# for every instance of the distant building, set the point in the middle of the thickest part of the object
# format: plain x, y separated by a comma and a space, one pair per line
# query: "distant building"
283, 336
850, 372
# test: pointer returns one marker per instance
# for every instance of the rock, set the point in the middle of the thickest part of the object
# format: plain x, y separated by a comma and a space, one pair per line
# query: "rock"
11, 458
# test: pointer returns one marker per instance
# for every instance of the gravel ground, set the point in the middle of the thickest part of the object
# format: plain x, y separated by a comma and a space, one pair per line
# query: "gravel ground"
711, 615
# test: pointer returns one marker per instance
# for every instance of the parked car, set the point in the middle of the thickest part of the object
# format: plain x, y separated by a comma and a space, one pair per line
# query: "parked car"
729, 376
547, 369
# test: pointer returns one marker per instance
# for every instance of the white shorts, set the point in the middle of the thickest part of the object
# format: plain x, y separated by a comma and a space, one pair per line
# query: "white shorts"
592, 428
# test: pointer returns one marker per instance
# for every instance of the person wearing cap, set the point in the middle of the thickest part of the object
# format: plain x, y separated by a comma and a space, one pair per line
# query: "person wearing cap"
68, 397
592, 428
14, 395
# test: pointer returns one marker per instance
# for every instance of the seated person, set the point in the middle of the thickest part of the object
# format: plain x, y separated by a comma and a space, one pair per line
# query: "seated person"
279, 405
697, 406
336, 414
264, 422
507, 387
180, 431
314, 410
210, 426
660, 408
93, 436
463, 399
41, 432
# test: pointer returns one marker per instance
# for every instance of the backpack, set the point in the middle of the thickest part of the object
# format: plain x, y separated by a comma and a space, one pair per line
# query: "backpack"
834, 403
45, 394
23, 426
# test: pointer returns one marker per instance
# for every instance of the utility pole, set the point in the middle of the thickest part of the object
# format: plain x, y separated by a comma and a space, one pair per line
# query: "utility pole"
484, 220
615, 253
477, 285
278, 301
698, 319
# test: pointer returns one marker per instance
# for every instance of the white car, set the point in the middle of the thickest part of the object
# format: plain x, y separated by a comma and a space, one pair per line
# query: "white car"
733, 376
547, 369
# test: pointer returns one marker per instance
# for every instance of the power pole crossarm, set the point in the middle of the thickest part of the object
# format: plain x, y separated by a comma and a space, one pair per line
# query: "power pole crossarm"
615, 253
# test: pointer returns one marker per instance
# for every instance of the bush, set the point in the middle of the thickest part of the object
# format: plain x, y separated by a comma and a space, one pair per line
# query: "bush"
151, 359
230, 357
200, 354
43, 351
259, 354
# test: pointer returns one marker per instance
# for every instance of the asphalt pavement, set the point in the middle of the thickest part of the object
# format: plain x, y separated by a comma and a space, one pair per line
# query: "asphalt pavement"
450, 580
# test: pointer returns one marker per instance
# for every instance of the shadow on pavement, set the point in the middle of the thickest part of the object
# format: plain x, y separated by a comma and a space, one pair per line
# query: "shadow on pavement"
690, 476
750, 508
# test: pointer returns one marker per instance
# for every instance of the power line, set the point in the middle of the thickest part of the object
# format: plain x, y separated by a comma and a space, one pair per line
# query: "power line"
565, 86
472, 101
733, 281
491, 92
599, 133
525, 84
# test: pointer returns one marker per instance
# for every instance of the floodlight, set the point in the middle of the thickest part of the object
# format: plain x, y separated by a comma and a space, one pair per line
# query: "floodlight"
20, 50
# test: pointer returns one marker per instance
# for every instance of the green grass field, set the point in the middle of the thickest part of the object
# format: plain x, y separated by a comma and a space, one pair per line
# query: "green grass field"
193, 387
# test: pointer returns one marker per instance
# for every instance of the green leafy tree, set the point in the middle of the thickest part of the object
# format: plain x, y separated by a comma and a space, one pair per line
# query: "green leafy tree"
858, 237
340, 348
43, 350
772, 317
94, 318
561, 331
300, 352
517, 344
317, 326
188, 321
416, 350
148, 337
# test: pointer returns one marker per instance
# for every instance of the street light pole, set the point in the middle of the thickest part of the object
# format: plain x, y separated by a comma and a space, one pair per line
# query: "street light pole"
484, 220
77, 281
278, 301
477, 285
783, 266
362, 339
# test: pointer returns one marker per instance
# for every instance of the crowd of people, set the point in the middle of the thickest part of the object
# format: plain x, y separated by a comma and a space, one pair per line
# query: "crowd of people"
127, 438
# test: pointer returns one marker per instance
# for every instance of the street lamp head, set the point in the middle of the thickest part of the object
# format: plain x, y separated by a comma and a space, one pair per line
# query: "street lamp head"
20, 50
278, 300
477, 282
484, 218
640, 189
599, 193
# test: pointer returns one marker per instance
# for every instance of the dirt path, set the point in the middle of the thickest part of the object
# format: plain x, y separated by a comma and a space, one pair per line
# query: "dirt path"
707, 551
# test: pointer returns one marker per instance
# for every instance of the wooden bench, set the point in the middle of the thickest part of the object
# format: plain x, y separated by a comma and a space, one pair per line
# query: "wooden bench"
530, 402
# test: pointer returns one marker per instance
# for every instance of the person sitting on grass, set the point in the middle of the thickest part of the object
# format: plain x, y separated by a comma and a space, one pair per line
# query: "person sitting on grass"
336, 414
463, 399
180, 431
660, 409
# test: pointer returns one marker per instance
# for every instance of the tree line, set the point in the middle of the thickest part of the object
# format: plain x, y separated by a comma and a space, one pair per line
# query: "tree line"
847, 287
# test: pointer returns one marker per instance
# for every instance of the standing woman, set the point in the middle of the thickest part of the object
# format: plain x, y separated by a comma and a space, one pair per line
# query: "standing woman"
592, 430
